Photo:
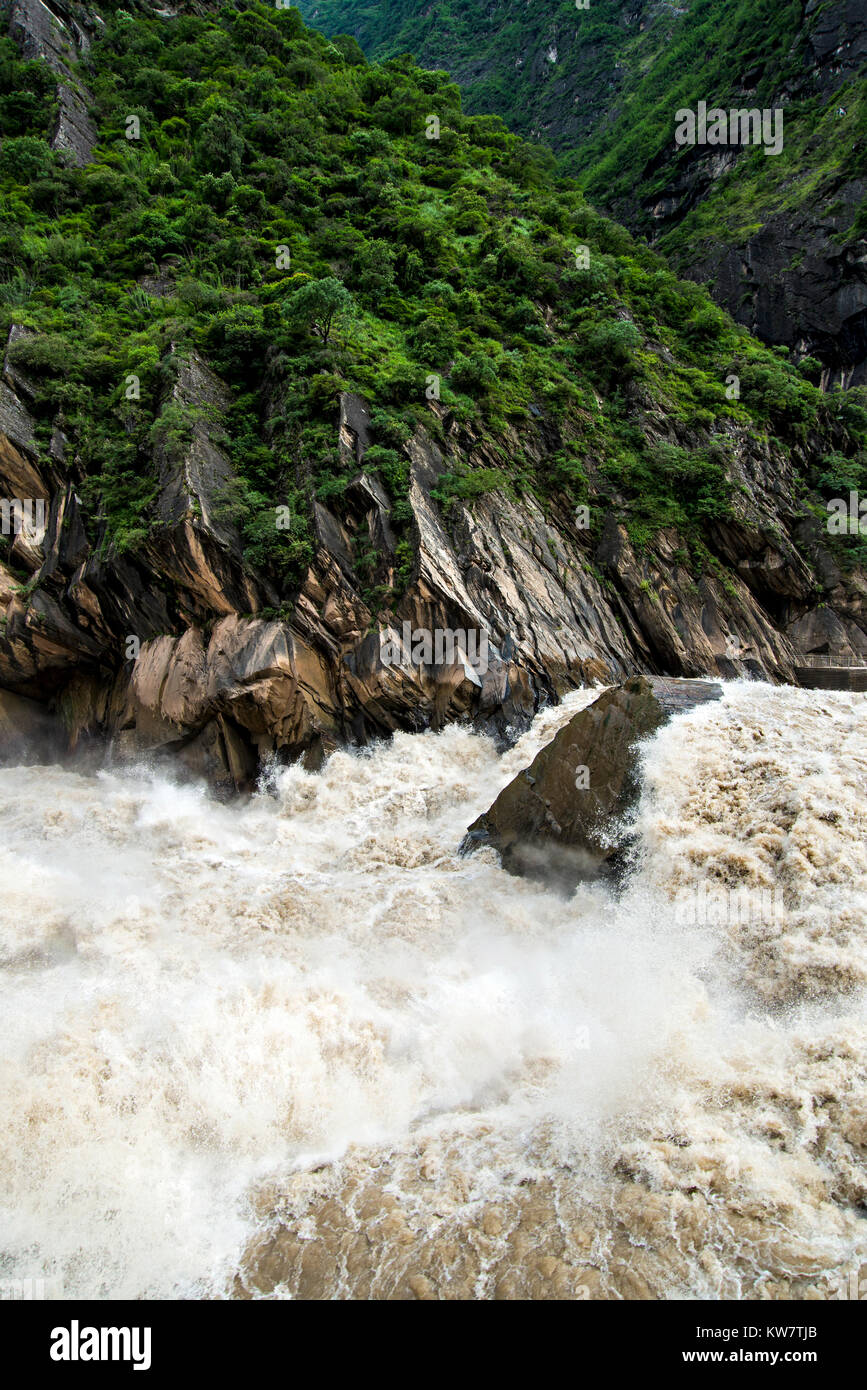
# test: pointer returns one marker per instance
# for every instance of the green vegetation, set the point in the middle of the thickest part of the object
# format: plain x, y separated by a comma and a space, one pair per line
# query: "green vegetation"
285, 215
608, 99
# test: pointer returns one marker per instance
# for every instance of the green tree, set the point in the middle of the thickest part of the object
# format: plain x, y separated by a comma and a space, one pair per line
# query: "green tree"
24, 158
318, 306
219, 147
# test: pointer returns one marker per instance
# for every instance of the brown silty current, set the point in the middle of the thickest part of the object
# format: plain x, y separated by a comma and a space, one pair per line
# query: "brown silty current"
301, 1048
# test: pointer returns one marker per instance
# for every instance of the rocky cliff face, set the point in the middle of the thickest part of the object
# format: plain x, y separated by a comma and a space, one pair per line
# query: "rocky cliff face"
174, 648
800, 278
57, 33
169, 640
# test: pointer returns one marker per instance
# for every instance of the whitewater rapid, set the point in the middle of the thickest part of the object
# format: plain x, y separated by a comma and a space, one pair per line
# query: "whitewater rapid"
299, 1047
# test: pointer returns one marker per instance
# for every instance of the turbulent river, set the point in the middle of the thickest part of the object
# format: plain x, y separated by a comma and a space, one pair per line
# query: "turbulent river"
298, 1047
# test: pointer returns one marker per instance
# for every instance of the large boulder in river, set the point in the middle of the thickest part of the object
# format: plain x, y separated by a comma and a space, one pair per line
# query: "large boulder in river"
563, 818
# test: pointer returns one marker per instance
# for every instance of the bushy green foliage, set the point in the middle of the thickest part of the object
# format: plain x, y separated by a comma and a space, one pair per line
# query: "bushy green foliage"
467, 485
285, 214
607, 100
318, 306
28, 95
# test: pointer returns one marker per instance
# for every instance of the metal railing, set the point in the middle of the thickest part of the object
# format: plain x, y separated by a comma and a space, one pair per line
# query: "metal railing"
835, 662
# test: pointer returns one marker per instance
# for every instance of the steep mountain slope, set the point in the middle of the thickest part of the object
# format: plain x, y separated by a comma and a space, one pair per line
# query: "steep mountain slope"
780, 239
294, 368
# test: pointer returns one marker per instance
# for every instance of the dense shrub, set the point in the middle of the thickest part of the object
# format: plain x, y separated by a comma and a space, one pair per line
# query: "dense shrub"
284, 213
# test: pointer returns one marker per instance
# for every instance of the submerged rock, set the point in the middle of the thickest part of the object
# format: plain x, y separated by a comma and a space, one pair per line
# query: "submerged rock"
563, 818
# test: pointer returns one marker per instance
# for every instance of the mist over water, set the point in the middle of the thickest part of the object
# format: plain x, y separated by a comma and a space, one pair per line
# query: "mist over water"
299, 1047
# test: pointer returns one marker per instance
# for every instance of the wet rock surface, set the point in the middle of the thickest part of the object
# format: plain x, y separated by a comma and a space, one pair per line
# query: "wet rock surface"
27, 731
180, 646
562, 819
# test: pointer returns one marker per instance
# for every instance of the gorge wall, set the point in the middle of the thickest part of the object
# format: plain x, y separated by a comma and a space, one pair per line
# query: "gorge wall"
164, 649
582, 500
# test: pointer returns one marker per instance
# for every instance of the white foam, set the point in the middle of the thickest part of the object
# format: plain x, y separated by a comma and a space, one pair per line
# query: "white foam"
201, 1001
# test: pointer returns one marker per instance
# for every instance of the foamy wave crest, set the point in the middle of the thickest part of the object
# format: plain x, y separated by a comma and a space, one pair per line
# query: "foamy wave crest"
299, 1047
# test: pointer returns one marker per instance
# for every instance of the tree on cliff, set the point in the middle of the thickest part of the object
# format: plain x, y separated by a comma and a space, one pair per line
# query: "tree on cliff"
318, 306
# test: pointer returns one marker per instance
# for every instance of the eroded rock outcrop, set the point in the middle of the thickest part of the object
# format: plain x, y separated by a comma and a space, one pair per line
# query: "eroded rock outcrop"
563, 819
27, 730
180, 647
